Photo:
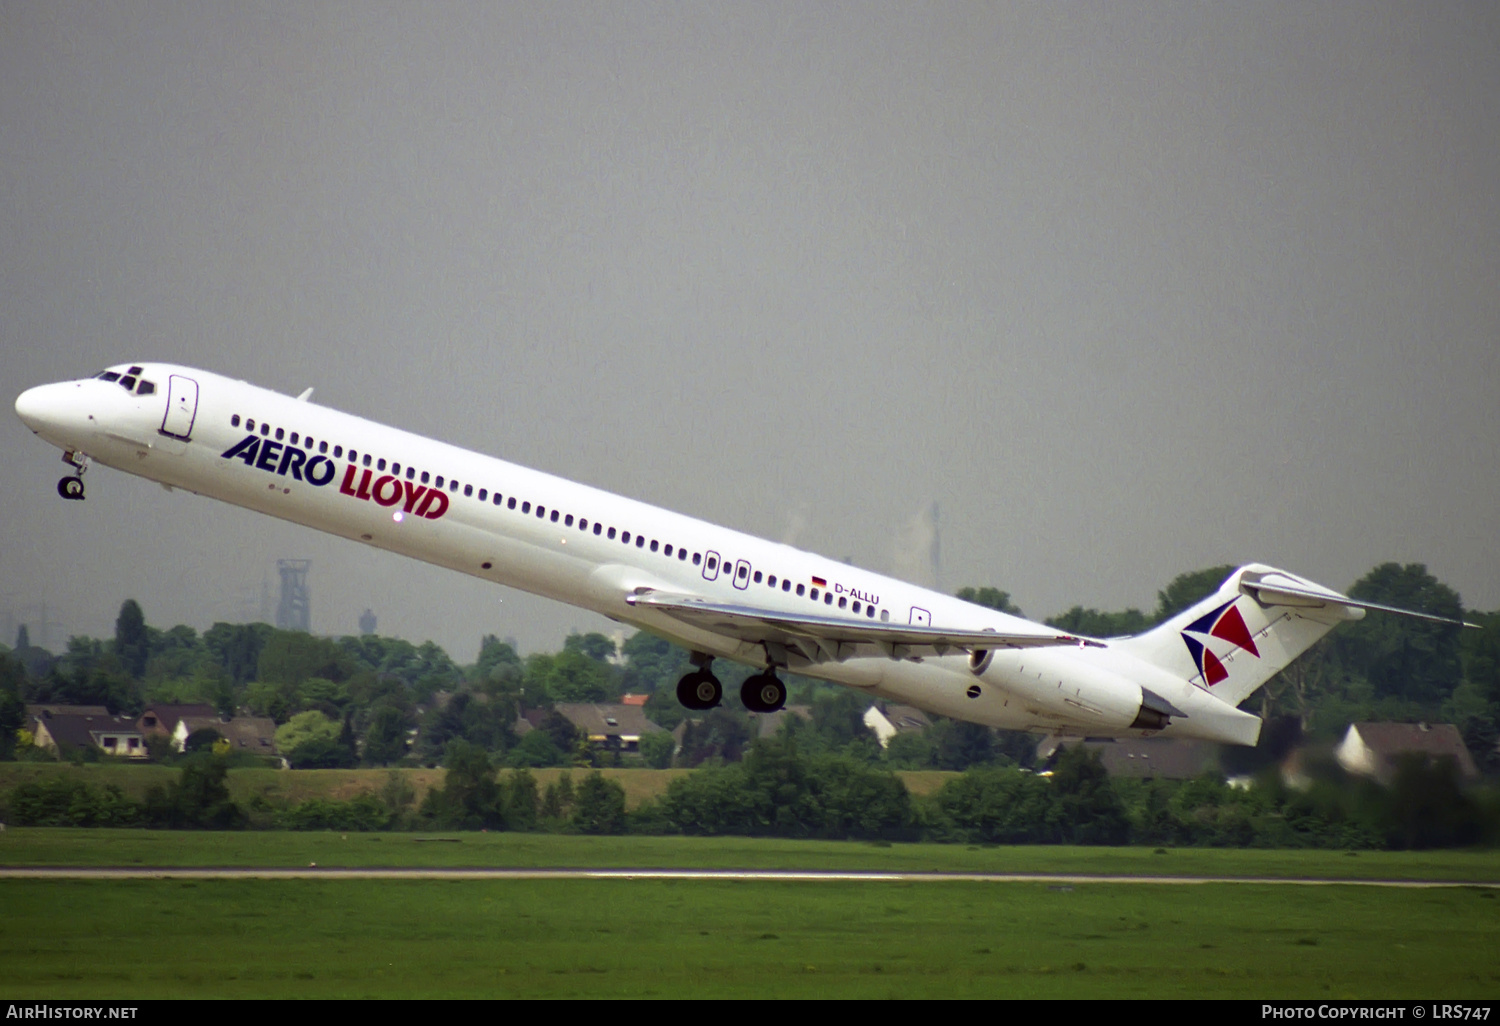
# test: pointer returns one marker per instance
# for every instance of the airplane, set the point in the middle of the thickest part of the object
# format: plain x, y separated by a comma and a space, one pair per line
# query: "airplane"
717, 592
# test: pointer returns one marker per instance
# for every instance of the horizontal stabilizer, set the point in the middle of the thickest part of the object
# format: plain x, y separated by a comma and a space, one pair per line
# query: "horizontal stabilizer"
1274, 589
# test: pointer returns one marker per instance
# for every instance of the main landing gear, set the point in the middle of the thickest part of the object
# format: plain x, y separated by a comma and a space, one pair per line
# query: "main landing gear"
72, 487
763, 693
700, 690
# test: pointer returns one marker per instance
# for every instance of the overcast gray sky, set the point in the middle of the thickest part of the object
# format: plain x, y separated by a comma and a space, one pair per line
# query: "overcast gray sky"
1127, 289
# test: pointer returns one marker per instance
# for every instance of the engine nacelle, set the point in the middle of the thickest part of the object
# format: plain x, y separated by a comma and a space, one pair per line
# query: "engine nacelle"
1058, 683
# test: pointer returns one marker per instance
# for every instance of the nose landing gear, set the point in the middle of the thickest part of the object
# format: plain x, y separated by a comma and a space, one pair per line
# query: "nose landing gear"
72, 487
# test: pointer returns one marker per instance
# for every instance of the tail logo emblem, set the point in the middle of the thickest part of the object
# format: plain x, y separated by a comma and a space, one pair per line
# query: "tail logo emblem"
1225, 624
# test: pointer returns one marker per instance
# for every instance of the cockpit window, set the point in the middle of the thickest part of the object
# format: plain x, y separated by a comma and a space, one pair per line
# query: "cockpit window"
109, 376
135, 370
127, 382
145, 388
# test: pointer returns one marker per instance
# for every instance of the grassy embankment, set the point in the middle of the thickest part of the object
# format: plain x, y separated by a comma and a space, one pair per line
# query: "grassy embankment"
294, 786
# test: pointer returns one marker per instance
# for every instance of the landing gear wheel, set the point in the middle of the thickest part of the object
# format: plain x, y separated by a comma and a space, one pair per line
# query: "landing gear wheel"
70, 488
763, 693
699, 690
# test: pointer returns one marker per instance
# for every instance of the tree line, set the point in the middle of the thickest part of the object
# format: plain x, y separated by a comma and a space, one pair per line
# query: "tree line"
779, 791
377, 701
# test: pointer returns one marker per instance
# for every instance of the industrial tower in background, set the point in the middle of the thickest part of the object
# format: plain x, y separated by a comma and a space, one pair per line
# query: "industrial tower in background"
294, 611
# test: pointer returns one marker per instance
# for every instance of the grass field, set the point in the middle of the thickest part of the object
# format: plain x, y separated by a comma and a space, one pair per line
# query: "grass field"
399, 939
63, 846
644, 938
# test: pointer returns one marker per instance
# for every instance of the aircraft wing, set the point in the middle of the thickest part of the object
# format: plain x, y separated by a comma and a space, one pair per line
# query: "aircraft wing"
821, 638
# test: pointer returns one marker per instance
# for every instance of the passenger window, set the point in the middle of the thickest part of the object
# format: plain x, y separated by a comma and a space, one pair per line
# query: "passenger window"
856, 606
265, 429
757, 577
250, 424
682, 554
814, 592
666, 550
712, 563
234, 421
510, 503
843, 602
554, 516
568, 520
484, 493
453, 487
280, 434
828, 598
800, 589
367, 459
786, 584
744, 572
379, 464
396, 469
322, 446
411, 473
525, 507
468, 491
611, 534
598, 527
294, 438
653, 544
353, 456
625, 537
425, 478
338, 451
541, 512
696, 558
438, 482
497, 498
885, 616
870, 612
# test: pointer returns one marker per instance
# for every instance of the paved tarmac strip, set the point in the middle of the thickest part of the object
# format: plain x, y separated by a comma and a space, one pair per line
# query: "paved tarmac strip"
788, 875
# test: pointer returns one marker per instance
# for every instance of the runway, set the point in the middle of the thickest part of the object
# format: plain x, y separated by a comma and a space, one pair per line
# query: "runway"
314, 872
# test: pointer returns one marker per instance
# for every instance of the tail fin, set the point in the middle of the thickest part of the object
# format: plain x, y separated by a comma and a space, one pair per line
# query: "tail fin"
1245, 633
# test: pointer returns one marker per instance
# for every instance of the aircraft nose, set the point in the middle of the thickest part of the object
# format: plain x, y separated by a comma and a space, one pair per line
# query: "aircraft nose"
46, 409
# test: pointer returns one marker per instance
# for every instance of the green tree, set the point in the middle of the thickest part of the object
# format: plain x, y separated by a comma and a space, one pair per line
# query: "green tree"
521, 800
657, 749
593, 646
1089, 810
1091, 623
305, 727
1404, 658
385, 740
1189, 588
599, 807
470, 797
131, 646
992, 598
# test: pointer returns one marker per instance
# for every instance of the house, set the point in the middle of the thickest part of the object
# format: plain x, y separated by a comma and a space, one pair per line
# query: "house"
1373, 749
1148, 758
61, 732
615, 727
255, 734
163, 719
886, 723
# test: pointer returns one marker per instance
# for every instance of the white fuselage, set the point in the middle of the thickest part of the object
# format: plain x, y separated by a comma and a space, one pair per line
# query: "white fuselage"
519, 527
